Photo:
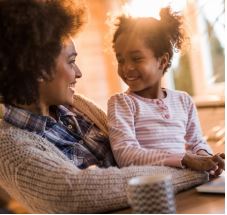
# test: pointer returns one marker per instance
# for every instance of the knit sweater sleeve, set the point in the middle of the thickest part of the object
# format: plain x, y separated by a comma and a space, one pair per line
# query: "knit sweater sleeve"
35, 173
126, 148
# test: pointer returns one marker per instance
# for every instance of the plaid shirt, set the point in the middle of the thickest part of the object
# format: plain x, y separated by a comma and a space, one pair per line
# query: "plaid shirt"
74, 134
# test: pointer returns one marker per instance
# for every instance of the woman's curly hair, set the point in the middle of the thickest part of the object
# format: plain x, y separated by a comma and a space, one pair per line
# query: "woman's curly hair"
161, 36
31, 36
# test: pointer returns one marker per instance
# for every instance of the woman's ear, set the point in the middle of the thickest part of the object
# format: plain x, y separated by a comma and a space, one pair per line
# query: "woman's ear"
43, 77
40, 80
164, 60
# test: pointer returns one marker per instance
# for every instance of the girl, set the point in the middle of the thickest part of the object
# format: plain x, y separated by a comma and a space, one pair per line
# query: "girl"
149, 124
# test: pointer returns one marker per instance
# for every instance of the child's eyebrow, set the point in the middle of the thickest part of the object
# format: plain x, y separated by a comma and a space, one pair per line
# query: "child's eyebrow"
130, 52
135, 52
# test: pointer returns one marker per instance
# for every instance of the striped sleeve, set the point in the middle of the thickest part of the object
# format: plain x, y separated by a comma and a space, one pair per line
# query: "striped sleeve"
194, 138
125, 146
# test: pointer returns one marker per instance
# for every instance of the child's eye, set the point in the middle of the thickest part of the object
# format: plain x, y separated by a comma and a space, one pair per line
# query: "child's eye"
120, 61
137, 59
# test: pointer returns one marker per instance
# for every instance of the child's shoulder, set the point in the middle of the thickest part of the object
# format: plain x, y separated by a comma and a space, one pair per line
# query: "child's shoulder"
120, 95
123, 98
177, 93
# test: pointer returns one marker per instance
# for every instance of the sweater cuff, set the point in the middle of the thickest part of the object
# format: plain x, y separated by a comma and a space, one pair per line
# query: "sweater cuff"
174, 160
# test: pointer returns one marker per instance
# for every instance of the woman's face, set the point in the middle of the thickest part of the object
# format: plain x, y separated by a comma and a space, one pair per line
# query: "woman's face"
60, 90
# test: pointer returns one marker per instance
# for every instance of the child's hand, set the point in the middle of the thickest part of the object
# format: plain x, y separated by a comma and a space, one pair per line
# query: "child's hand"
213, 164
203, 153
219, 159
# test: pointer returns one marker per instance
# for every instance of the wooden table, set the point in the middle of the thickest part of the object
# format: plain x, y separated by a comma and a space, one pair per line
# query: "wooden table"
192, 202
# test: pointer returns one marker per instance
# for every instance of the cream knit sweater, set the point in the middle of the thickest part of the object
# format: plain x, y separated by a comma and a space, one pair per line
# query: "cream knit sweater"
38, 175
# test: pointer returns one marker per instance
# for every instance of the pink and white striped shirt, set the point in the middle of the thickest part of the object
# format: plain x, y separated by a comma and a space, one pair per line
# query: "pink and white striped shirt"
153, 131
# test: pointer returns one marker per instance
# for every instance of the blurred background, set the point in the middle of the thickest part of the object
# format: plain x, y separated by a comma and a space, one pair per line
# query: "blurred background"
200, 70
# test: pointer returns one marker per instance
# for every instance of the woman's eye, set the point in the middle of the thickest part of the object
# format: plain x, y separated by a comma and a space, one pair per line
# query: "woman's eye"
72, 63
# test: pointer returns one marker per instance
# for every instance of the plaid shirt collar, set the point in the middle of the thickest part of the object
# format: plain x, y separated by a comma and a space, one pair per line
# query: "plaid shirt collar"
33, 122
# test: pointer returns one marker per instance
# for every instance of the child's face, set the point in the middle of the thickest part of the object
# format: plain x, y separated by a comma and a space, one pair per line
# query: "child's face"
137, 65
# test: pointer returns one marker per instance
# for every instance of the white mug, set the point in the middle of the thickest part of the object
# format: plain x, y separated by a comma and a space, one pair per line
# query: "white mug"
151, 194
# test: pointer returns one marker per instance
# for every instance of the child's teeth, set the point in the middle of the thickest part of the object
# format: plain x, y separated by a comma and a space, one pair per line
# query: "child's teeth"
131, 78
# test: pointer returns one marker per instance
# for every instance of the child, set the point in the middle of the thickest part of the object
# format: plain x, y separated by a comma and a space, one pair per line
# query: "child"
149, 124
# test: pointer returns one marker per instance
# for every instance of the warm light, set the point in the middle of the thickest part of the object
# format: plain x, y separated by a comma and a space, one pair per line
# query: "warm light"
151, 8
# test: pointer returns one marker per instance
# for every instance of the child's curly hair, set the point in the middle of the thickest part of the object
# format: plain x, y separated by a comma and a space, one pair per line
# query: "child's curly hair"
161, 36
31, 36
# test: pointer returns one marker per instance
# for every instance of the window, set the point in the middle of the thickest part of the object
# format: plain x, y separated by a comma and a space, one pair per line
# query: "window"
200, 71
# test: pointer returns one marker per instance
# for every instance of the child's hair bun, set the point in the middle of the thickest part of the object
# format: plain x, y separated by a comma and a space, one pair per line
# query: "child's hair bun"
165, 13
172, 24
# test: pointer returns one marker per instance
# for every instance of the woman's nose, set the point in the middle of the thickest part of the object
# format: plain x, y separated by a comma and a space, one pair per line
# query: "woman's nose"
78, 73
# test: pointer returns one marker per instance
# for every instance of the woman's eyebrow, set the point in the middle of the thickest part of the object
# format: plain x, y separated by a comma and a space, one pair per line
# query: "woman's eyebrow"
72, 54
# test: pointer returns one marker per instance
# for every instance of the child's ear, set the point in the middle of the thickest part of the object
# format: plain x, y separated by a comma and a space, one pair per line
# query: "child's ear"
164, 60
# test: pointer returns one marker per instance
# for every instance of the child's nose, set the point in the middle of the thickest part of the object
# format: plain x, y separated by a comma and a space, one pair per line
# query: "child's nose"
128, 68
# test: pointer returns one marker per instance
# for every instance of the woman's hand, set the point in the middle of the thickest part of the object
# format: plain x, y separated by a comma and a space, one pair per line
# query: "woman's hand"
214, 164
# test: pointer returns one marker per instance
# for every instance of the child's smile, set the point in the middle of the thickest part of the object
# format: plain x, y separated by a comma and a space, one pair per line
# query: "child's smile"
137, 65
131, 76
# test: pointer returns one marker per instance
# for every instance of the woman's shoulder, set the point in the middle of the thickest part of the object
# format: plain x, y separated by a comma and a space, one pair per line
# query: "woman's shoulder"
91, 110
12, 136
16, 138
21, 145
6, 129
16, 144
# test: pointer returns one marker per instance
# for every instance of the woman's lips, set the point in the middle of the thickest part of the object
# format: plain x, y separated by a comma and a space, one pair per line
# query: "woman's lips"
72, 86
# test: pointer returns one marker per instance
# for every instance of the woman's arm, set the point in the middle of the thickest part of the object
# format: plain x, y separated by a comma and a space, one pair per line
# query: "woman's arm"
43, 180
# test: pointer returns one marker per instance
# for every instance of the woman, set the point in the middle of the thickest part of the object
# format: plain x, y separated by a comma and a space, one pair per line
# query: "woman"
54, 149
